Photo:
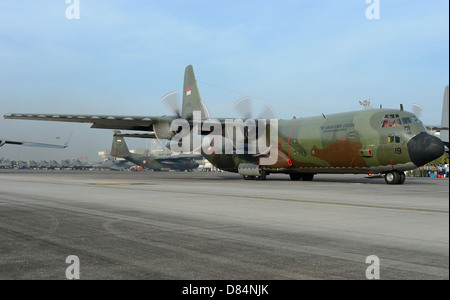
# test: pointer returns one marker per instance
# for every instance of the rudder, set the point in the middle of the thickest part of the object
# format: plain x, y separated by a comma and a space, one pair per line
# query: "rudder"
119, 147
191, 95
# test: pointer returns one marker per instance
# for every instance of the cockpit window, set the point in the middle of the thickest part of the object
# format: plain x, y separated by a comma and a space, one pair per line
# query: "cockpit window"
406, 120
415, 120
394, 139
394, 120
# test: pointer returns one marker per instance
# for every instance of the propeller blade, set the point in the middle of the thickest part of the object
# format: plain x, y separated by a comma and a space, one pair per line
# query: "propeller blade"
417, 110
268, 113
171, 101
244, 107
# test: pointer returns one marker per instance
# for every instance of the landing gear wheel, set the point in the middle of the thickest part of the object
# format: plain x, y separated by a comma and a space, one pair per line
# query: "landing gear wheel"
402, 178
262, 176
392, 177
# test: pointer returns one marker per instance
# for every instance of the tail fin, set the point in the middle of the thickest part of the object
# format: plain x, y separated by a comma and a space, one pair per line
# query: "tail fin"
191, 95
444, 122
119, 147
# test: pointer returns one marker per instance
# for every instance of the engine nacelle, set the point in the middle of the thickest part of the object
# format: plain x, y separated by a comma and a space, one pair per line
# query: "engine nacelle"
162, 130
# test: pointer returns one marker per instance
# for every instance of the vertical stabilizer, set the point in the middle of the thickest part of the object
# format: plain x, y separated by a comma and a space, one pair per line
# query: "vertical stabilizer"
191, 95
119, 147
444, 120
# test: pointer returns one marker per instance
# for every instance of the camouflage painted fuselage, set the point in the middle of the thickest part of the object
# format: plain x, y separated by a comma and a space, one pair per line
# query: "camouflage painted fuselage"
148, 162
384, 141
367, 141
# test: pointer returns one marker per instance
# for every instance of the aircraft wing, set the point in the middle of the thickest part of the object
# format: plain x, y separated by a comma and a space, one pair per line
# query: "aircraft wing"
150, 135
31, 144
98, 121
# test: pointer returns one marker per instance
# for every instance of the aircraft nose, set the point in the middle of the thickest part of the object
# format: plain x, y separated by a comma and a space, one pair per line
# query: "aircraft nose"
424, 148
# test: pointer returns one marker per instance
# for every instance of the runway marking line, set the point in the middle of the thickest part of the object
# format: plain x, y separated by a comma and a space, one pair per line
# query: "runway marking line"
119, 183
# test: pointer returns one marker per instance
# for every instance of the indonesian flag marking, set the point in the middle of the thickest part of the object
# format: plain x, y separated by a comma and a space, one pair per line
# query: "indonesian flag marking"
188, 91
119, 140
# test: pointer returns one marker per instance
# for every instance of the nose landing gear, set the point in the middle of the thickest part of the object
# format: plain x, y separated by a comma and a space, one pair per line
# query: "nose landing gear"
395, 177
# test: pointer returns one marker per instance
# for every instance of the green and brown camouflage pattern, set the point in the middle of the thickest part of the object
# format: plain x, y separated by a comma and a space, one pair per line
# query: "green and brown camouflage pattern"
352, 142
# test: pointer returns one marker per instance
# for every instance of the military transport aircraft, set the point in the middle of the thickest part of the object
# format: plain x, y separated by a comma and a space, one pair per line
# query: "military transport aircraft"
181, 163
113, 165
384, 141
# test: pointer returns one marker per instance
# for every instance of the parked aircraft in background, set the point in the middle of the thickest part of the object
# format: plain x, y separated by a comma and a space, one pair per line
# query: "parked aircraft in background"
181, 163
114, 165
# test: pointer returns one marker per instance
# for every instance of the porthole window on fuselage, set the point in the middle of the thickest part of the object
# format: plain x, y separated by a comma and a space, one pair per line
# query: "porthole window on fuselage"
394, 139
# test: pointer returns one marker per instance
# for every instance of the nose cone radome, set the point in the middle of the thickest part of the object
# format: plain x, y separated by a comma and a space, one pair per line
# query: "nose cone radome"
424, 148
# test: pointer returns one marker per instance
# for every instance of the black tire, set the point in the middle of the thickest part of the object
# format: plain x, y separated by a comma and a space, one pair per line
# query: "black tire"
402, 178
263, 175
392, 177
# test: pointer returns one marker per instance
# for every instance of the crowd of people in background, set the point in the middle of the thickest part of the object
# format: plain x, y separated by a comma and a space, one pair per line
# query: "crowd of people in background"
437, 171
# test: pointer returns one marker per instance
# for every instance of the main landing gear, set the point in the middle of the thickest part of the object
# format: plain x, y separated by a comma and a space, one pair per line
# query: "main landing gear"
301, 176
262, 176
395, 177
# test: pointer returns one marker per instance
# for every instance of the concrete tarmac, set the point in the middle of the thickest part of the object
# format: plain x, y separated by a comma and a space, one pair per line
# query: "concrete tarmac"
174, 225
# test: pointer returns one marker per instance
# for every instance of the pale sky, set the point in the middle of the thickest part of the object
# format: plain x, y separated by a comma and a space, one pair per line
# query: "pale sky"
303, 58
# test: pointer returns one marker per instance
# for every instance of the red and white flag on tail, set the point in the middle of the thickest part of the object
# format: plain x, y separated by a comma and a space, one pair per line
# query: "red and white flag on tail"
188, 91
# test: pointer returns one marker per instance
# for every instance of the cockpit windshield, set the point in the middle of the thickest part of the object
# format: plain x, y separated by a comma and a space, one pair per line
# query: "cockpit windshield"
394, 120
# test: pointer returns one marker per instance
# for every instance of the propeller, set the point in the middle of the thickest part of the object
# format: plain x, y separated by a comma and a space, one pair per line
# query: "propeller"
417, 110
244, 108
172, 102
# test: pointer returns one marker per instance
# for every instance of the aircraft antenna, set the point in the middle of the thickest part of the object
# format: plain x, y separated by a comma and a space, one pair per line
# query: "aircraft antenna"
366, 104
